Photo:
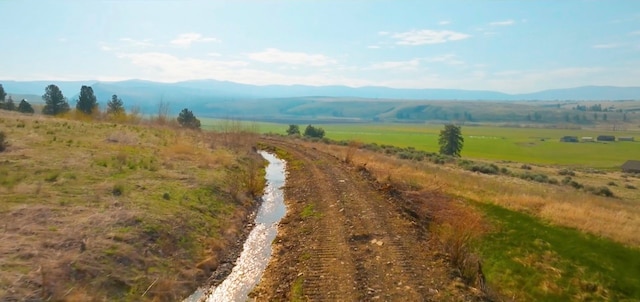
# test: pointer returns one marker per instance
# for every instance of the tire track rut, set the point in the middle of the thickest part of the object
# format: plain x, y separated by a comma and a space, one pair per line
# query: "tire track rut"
343, 239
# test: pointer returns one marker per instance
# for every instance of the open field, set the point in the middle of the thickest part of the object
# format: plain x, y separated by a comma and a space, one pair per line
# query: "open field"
524, 145
108, 211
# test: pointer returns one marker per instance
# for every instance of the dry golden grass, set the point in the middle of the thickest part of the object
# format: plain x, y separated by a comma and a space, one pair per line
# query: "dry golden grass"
614, 218
95, 210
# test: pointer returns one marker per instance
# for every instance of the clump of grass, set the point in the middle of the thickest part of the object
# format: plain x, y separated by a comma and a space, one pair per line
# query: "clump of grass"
118, 189
630, 186
308, 211
52, 177
566, 172
166, 196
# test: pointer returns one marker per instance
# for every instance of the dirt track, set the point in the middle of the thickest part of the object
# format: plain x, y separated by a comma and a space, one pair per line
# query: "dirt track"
345, 239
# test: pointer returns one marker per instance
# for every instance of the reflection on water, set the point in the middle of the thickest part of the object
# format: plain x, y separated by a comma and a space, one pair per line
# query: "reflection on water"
257, 249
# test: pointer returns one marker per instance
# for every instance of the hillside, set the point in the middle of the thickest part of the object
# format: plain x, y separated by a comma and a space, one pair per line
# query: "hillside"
104, 211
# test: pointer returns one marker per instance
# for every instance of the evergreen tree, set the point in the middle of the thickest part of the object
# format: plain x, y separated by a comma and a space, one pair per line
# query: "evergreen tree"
187, 119
115, 105
451, 140
25, 107
55, 102
87, 101
2, 96
9, 104
293, 129
312, 131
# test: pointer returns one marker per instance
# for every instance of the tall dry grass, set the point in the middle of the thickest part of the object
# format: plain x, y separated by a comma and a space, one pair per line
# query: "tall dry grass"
616, 219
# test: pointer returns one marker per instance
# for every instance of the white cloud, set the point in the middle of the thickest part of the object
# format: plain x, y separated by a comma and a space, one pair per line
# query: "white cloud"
373, 46
383, 33
139, 43
273, 55
635, 33
502, 23
427, 36
449, 59
169, 68
445, 22
396, 65
413, 64
62, 40
606, 46
186, 39
214, 54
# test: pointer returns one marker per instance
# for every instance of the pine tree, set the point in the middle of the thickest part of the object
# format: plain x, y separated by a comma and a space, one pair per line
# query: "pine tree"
2, 96
25, 107
451, 140
187, 119
87, 101
115, 106
10, 105
55, 102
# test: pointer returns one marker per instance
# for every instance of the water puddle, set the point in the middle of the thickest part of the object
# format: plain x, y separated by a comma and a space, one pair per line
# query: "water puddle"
257, 248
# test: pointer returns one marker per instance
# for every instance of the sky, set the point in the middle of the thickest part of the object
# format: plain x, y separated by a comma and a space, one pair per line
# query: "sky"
508, 46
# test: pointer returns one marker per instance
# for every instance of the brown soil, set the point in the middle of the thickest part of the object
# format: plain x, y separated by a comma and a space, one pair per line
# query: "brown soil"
347, 238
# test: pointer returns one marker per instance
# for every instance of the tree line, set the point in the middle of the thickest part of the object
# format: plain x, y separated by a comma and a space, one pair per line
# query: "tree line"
87, 103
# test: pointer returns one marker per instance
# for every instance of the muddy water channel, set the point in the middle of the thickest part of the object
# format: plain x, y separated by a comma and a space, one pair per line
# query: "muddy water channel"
257, 248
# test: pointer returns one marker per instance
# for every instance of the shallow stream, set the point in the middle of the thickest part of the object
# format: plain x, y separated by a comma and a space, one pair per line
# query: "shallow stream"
256, 250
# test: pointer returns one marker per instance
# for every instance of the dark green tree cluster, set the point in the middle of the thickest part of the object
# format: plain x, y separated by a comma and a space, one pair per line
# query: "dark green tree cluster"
25, 107
87, 102
451, 140
312, 131
188, 120
55, 102
293, 130
10, 105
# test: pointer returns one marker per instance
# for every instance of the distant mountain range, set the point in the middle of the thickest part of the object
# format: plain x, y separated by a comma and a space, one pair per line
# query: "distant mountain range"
147, 92
299, 103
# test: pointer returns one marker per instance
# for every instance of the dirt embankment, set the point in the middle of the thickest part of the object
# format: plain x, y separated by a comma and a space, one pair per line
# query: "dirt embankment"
346, 238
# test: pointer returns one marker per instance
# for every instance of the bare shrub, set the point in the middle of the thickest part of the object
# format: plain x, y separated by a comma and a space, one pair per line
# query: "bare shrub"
352, 147
456, 228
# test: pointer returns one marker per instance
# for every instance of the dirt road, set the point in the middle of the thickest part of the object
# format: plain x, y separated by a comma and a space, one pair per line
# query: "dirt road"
344, 239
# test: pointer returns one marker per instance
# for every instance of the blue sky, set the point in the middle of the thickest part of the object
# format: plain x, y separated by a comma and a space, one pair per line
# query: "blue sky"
509, 46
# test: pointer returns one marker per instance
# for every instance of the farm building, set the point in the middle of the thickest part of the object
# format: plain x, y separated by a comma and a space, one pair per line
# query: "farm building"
625, 138
631, 166
606, 138
586, 139
569, 139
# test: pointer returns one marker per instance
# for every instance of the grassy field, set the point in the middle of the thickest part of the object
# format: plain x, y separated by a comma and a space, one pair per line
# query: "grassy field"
109, 211
541, 242
555, 263
524, 145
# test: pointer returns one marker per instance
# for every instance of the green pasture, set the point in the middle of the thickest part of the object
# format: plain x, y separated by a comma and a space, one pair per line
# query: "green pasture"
527, 145
530, 260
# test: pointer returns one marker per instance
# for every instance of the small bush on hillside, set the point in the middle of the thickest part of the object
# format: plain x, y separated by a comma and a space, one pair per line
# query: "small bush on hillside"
525, 167
570, 182
630, 186
601, 191
481, 168
566, 172
613, 184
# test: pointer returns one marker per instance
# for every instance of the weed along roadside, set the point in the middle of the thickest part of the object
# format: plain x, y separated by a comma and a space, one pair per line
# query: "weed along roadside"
257, 248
